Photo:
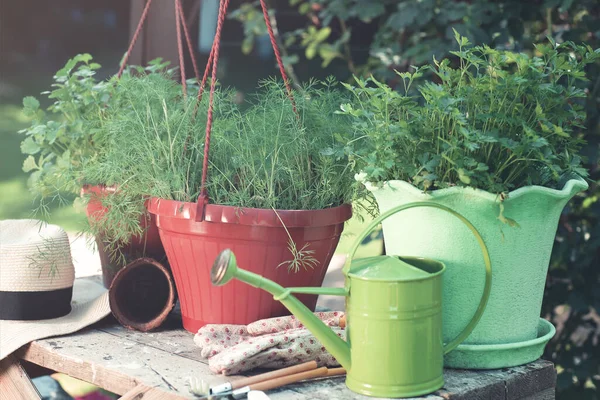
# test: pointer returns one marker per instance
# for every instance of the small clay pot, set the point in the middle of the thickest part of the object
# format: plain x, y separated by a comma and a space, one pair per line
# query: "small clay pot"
142, 294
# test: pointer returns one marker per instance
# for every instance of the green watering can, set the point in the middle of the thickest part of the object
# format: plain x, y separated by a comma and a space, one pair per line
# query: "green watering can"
394, 344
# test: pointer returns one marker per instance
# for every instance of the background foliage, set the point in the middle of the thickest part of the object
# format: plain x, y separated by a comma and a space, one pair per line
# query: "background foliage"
398, 34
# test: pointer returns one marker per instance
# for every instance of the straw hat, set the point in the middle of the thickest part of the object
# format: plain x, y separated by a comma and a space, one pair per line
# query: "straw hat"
39, 296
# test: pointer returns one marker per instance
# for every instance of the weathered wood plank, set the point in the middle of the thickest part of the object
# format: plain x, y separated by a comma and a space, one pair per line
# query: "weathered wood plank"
170, 337
164, 360
329, 389
535, 379
548, 394
15, 382
532, 381
136, 393
117, 365
502, 384
146, 393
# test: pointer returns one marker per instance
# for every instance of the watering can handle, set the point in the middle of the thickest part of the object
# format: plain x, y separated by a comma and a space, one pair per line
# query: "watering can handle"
486, 257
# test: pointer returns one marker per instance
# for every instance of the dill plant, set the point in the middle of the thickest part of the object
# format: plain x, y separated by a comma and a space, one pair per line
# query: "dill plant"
277, 159
262, 156
497, 121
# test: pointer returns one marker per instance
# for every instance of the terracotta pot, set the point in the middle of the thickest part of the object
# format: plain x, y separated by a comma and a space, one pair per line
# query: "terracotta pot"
142, 295
260, 243
147, 245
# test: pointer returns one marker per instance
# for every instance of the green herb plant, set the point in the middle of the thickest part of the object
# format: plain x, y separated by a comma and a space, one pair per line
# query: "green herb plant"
264, 156
62, 138
142, 141
274, 158
496, 121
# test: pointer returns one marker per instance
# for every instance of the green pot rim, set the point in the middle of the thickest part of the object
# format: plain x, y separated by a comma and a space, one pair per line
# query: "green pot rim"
545, 327
572, 186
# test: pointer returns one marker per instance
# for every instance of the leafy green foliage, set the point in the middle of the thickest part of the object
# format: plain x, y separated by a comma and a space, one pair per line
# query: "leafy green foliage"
497, 121
408, 32
61, 137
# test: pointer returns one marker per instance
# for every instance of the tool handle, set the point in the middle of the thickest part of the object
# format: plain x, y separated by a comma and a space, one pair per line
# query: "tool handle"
307, 366
336, 371
286, 380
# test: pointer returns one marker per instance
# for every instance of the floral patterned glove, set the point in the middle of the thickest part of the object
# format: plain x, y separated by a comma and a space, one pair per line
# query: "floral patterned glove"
269, 343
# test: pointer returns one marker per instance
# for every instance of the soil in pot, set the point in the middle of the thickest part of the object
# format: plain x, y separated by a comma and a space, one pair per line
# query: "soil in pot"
261, 245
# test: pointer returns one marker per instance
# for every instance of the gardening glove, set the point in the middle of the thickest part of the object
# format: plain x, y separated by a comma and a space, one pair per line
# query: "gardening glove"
269, 343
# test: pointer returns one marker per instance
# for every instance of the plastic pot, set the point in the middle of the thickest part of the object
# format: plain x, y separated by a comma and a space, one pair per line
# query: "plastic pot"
147, 245
142, 295
261, 245
520, 256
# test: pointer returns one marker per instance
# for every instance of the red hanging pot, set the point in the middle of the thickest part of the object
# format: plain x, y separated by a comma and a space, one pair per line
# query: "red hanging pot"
147, 245
261, 245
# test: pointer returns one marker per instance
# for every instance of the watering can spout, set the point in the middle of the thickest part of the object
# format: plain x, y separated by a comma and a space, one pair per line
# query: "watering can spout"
225, 269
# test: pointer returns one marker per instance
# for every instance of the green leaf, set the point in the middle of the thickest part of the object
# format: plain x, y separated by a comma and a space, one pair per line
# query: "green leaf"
323, 34
248, 44
311, 51
464, 178
402, 18
560, 132
30, 106
328, 53
304, 8
84, 58
28, 146
29, 164
64, 161
31, 103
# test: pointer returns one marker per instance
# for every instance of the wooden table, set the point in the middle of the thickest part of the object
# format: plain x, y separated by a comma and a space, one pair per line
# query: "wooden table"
157, 366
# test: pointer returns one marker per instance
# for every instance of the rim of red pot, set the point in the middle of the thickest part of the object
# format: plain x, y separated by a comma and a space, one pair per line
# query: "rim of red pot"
251, 216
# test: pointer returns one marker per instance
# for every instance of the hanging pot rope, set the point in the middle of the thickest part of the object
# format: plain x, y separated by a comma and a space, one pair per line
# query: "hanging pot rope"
178, 20
278, 54
134, 38
186, 32
180, 24
203, 198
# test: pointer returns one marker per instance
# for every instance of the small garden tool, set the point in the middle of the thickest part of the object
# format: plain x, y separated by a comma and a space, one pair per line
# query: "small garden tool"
394, 342
274, 380
240, 383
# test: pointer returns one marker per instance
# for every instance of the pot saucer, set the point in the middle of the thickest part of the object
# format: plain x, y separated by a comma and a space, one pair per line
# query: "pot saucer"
492, 356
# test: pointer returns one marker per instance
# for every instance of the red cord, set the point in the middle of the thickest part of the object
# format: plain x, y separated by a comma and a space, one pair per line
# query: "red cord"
278, 55
206, 71
188, 40
213, 59
134, 38
180, 49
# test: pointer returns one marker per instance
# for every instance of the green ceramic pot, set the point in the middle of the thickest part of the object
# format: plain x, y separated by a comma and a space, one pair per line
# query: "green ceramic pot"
520, 256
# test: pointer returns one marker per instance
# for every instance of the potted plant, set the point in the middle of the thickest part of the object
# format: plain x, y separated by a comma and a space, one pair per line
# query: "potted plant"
492, 138
62, 141
279, 194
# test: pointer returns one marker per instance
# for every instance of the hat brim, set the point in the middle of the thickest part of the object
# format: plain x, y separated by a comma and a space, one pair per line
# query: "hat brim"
89, 305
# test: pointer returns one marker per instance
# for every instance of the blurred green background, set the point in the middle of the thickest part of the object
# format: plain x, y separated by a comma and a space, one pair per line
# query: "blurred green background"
340, 38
